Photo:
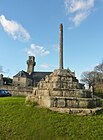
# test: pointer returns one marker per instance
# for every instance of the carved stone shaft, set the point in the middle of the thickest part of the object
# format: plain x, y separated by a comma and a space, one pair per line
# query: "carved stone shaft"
61, 47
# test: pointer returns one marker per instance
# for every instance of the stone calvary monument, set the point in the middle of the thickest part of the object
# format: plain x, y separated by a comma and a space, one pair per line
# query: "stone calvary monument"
61, 91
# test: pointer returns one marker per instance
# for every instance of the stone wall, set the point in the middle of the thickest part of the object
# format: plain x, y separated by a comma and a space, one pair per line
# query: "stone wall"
17, 91
22, 81
67, 102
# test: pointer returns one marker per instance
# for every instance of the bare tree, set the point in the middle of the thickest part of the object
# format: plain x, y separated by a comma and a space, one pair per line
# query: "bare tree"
94, 79
99, 70
89, 78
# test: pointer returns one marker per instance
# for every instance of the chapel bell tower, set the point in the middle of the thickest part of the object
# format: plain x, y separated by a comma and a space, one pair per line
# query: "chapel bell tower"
30, 64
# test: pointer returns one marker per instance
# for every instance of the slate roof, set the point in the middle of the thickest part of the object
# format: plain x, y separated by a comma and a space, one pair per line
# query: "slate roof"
22, 74
36, 76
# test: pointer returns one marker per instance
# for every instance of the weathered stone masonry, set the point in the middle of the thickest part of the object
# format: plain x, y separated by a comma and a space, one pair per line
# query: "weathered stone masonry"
61, 90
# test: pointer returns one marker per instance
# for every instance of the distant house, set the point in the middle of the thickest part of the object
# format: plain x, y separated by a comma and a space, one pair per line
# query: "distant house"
31, 77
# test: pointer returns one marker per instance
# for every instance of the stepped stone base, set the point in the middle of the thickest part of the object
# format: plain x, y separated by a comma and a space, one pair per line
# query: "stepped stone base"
65, 102
77, 111
61, 91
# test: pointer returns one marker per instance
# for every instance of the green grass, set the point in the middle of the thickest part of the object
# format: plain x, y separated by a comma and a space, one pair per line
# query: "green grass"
21, 122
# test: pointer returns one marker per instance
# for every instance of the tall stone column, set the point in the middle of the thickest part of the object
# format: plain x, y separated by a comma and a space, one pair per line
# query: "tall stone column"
61, 48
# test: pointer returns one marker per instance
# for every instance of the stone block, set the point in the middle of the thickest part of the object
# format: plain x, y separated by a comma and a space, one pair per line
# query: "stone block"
46, 92
72, 103
57, 93
91, 103
53, 102
46, 101
65, 93
61, 102
83, 103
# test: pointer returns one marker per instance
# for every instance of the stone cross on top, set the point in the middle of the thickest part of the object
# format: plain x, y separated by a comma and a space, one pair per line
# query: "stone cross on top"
61, 48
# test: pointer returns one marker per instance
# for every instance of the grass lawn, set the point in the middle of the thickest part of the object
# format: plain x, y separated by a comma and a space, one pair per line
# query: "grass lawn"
21, 122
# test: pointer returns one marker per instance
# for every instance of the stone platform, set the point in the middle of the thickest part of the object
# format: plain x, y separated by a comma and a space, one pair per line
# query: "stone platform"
78, 111
62, 91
